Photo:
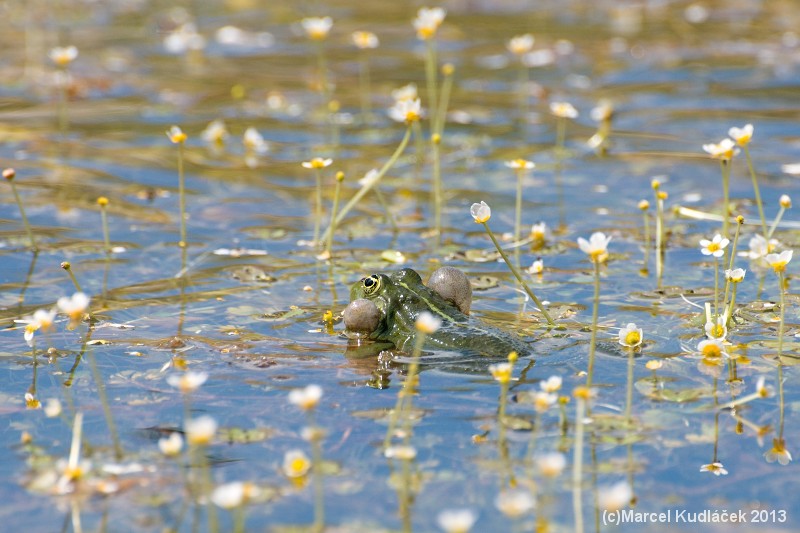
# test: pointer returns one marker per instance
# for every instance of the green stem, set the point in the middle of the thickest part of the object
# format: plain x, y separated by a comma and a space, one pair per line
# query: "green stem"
756, 191
389, 217
104, 221
659, 238
775, 223
726, 201
629, 389
101, 392
364, 85
404, 395
716, 287
430, 80
561, 133
646, 239
329, 245
517, 275
366, 187
518, 211
317, 205
24, 218
595, 309
577, 466
182, 195
319, 488
437, 185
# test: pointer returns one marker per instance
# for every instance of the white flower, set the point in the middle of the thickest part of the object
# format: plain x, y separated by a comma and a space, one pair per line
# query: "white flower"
521, 44
74, 306
778, 452
296, 463
317, 163
428, 323
551, 464
407, 111
175, 135
785, 201
480, 212
215, 132
563, 110
41, 319
743, 135
520, 163
759, 247
365, 39
306, 398
779, 261
596, 247
187, 381
715, 247
539, 231
715, 468
200, 431
428, 21
456, 520
630, 336
711, 348
254, 142
537, 267
406, 92
542, 401
735, 275
615, 497
551, 384
63, 55
232, 495
717, 328
514, 502
501, 372
52, 408
317, 28
399, 451
761, 389
171, 445
725, 150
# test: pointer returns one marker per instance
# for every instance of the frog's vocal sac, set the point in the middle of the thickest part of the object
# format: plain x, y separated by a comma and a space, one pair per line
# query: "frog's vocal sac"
385, 307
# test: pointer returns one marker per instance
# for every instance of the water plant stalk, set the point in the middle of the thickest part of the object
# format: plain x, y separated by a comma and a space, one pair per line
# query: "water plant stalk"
595, 310
317, 473
9, 174
317, 204
646, 220
517, 275
518, 204
66, 265
182, 195
757, 193
103, 203
577, 464
775, 223
404, 395
336, 193
725, 167
367, 186
364, 86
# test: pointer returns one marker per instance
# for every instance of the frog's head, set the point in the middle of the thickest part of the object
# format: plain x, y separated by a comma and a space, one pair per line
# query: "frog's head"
371, 299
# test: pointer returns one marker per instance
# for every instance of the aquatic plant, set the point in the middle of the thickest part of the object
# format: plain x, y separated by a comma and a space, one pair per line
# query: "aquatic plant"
177, 137
9, 174
597, 250
317, 164
482, 213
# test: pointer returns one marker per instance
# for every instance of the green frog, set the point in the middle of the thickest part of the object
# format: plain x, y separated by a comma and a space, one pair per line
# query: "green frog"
385, 307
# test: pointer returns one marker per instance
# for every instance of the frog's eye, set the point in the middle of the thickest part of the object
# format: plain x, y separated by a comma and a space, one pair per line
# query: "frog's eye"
371, 284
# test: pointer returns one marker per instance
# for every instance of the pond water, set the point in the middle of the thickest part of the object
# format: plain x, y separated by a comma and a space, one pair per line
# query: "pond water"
244, 302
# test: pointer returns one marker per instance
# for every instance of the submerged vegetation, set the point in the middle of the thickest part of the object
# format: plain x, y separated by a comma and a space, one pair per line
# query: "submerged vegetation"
172, 308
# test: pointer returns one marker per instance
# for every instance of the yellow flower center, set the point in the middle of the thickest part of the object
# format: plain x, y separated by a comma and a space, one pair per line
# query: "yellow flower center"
713, 247
779, 266
712, 350
632, 338
717, 331
426, 33
298, 466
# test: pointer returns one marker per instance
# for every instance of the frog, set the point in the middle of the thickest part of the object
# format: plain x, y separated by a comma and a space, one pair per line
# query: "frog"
384, 308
